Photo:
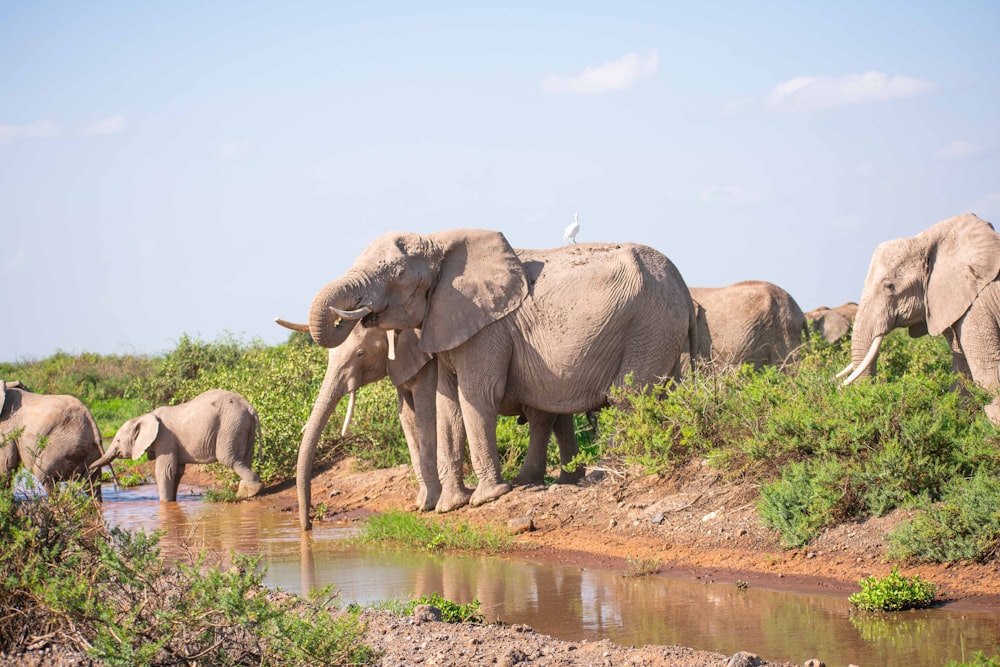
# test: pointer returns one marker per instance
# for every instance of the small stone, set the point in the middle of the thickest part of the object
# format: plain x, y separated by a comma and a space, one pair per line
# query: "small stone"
424, 613
657, 519
612, 523
709, 516
815, 662
744, 659
522, 525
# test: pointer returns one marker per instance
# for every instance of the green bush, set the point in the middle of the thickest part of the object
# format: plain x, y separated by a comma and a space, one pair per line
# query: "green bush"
64, 575
979, 659
894, 592
965, 525
451, 612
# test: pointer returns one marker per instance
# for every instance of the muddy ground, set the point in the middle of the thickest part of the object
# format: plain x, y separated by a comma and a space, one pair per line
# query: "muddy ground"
694, 523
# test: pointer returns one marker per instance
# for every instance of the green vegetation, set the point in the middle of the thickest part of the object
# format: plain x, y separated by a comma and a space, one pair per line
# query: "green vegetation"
414, 531
979, 659
64, 575
818, 454
451, 612
893, 592
641, 567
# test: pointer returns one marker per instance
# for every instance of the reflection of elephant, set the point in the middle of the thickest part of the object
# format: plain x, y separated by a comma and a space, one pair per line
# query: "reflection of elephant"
55, 437
833, 324
753, 322
941, 281
363, 358
217, 425
551, 332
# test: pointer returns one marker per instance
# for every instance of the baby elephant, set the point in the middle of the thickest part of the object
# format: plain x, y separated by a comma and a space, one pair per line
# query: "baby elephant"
215, 426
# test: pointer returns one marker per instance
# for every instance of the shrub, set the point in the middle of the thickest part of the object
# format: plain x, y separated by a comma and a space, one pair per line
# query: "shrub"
894, 592
64, 575
426, 533
451, 612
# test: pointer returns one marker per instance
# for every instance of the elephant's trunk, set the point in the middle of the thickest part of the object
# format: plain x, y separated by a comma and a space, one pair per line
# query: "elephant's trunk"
108, 457
866, 365
330, 393
346, 294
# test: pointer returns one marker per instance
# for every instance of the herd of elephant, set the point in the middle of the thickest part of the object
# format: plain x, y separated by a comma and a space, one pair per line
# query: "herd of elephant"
468, 328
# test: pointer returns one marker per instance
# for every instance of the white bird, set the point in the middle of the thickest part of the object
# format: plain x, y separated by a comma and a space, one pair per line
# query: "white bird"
573, 229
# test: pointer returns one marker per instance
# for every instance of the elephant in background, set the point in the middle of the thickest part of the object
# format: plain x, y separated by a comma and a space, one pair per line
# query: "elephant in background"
943, 281
215, 426
753, 322
55, 438
550, 330
363, 358
833, 324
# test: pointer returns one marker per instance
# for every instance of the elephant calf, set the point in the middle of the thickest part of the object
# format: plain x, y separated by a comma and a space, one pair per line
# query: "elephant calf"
217, 425
54, 437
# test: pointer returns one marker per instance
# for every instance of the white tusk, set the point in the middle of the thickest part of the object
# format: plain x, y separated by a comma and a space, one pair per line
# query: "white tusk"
355, 314
292, 325
869, 357
350, 413
391, 337
844, 372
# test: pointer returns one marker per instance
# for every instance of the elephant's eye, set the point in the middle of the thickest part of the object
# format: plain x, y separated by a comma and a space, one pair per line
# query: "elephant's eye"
361, 353
890, 288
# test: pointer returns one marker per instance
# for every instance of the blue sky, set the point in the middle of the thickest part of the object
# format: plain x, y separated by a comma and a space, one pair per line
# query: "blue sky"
200, 168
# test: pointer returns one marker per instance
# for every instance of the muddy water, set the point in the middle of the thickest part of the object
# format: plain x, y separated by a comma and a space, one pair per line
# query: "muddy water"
565, 602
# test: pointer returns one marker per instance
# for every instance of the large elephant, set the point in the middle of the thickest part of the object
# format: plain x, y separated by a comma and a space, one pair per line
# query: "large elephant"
833, 324
941, 281
753, 322
553, 331
364, 358
55, 438
216, 425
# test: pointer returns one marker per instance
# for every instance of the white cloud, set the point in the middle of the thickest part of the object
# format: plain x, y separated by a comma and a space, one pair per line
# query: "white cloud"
37, 130
612, 76
731, 194
960, 150
814, 93
235, 150
110, 125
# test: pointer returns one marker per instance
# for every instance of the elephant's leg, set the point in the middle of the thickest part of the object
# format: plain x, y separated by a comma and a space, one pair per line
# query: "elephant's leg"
539, 433
979, 342
565, 431
450, 444
250, 484
167, 471
480, 417
423, 410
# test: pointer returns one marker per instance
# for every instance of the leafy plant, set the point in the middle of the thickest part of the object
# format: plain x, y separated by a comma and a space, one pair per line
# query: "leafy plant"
894, 592
641, 567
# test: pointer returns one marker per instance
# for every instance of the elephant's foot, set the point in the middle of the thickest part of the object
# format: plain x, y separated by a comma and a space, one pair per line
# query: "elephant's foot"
427, 499
248, 489
566, 477
452, 500
485, 493
529, 478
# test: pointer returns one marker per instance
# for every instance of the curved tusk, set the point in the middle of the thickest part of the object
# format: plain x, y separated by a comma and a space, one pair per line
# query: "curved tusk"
844, 372
391, 337
865, 363
355, 314
350, 413
292, 325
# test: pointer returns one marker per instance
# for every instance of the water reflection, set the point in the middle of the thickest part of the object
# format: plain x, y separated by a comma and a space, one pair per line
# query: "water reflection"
566, 602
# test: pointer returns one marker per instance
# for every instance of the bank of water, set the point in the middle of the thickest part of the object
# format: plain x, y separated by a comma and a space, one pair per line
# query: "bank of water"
565, 602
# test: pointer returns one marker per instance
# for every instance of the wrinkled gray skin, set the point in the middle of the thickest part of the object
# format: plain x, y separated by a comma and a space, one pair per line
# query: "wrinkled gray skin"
216, 426
943, 281
54, 437
552, 332
362, 359
833, 324
753, 322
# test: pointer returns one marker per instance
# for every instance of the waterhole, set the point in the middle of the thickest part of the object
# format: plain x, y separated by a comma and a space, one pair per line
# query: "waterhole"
565, 602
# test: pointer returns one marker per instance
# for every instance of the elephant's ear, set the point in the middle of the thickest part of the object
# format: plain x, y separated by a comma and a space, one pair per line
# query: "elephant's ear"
3, 395
964, 258
480, 281
146, 429
409, 357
